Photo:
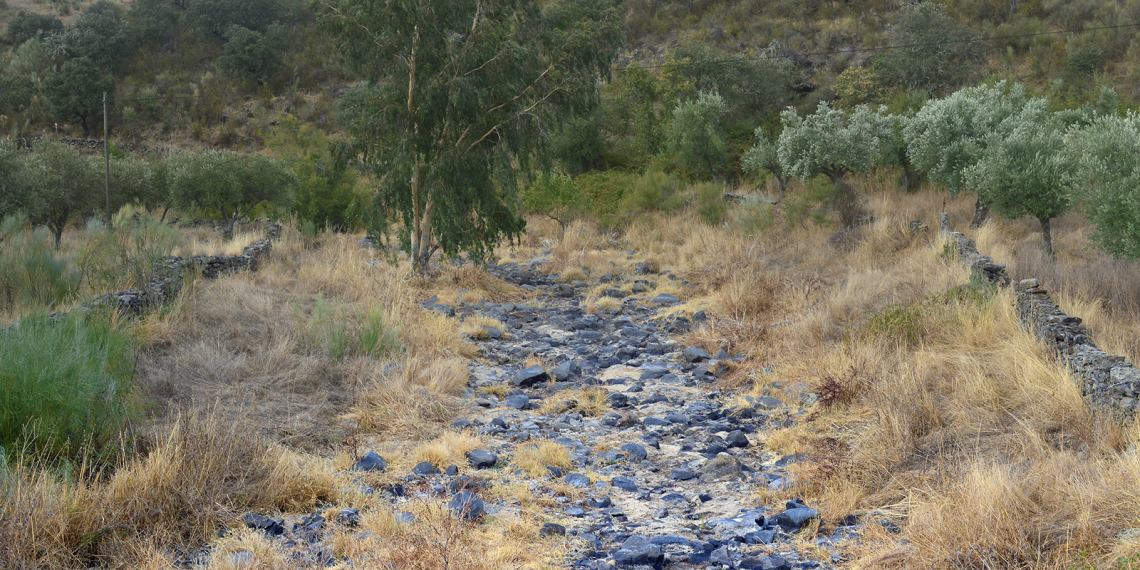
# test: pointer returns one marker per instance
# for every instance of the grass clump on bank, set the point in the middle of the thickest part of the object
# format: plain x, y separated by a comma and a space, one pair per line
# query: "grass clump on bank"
65, 385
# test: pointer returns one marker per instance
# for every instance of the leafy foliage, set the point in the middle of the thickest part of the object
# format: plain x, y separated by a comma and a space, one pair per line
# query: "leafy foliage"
458, 100
693, 137
76, 92
936, 55
1026, 170
211, 19
828, 142
763, 157
556, 196
32, 25
101, 34
748, 85
253, 55
64, 184
948, 136
230, 184
327, 195
1109, 159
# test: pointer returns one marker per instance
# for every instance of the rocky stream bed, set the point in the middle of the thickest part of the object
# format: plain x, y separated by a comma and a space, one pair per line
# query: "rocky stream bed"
668, 477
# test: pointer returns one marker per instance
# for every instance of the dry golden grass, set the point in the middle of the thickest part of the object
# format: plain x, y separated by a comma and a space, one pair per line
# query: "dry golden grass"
448, 449
590, 402
535, 457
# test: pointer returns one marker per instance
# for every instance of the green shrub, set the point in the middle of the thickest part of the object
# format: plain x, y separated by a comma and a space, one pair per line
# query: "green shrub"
711, 206
653, 191
342, 331
123, 257
31, 274
604, 191
753, 217
64, 386
556, 196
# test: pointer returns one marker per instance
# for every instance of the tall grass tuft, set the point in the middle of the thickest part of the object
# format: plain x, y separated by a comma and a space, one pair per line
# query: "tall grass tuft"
64, 386
31, 271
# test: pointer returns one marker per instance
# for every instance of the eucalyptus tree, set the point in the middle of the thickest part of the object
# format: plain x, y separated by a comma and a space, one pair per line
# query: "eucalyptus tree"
763, 157
1108, 154
458, 100
1026, 169
948, 136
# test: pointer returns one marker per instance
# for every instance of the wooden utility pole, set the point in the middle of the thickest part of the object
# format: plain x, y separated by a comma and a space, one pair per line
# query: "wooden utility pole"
106, 161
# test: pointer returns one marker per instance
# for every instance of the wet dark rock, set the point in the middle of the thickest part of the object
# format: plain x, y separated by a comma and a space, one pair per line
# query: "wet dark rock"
737, 439
682, 474
272, 527
566, 370
792, 520
371, 462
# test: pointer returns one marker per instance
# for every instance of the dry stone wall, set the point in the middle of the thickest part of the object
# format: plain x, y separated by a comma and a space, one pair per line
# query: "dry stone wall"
169, 274
1107, 380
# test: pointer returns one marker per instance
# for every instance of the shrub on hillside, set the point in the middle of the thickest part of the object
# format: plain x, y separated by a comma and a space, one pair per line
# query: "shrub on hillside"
31, 274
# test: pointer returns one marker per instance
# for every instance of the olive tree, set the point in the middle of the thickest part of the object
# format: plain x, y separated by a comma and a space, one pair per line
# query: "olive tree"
230, 184
458, 100
948, 136
65, 184
15, 193
693, 136
76, 92
832, 143
1108, 154
1026, 169
763, 157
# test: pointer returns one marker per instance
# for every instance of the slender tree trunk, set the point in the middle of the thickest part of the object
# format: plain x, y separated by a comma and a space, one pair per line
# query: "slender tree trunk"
165, 209
782, 184
981, 210
228, 233
57, 231
1047, 235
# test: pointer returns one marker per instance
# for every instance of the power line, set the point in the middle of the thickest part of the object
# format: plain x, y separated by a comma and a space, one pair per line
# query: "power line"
874, 49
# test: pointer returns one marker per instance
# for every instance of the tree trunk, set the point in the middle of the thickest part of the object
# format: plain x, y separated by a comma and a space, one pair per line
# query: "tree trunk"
1047, 235
86, 131
165, 209
981, 210
228, 234
57, 231
782, 184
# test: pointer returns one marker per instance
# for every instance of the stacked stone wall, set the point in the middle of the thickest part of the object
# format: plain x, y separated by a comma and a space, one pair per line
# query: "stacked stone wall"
1106, 380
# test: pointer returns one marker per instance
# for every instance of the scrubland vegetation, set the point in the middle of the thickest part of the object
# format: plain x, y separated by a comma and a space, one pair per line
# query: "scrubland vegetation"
123, 438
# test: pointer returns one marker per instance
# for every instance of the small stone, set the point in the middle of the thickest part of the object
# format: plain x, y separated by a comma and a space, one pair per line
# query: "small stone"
639, 556
617, 400
693, 354
348, 517
682, 474
452, 470
425, 469
371, 462
530, 376
241, 559
665, 299
793, 519
517, 402
552, 529
736, 438
600, 502
467, 505
492, 332
723, 466
634, 451
577, 480
565, 370
482, 459
272, 527
677, 418
624, 483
